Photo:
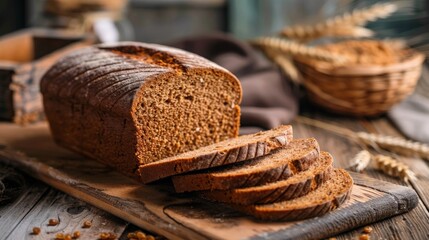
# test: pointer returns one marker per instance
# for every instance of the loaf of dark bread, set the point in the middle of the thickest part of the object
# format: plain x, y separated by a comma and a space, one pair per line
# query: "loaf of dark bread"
327, 197
132, 104
229, 151
297, 156
296, 186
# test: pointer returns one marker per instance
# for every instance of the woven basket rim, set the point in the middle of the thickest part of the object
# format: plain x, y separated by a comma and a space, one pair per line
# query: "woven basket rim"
415, 59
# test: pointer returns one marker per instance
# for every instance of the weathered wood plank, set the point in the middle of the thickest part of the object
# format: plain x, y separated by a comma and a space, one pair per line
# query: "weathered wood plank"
70, 213
412, 225
12, 213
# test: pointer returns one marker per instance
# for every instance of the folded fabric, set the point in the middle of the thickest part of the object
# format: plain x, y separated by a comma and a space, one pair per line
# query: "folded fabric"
411, 117
268, 100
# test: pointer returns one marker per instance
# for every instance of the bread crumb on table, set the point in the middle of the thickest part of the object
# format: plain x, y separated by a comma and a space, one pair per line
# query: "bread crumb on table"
107, 236
36, 231
367, 229
76, 234
364, 237
59, 236
87, 224
53, 222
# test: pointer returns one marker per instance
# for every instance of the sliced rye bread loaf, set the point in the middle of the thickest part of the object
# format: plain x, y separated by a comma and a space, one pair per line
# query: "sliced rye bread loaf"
297, 156
327, 197
127, 104
226, 152
293, 187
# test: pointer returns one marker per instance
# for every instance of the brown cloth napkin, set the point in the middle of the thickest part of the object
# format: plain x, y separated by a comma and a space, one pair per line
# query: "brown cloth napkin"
268, 100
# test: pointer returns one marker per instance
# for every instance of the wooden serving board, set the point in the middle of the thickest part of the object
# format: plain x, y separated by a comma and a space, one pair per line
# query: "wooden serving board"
181, 216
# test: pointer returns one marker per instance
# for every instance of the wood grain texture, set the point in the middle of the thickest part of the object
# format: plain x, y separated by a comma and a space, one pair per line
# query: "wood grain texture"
13, 213
157, 208
70, 213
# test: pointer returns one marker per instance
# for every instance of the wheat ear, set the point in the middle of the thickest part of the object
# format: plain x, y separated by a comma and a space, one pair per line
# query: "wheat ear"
394, 168
395, 144
360, 161
339, 31
297, 49
356, 18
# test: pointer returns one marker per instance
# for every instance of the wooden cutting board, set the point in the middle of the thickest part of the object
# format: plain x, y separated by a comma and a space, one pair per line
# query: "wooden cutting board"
181, 216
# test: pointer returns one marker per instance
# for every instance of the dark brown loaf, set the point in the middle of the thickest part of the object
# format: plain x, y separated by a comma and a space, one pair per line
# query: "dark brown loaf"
329, 196
226, 152
297, 156
293, 187
131, 104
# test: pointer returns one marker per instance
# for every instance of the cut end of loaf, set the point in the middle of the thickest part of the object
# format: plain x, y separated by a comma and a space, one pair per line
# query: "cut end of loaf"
183, 108
180, 113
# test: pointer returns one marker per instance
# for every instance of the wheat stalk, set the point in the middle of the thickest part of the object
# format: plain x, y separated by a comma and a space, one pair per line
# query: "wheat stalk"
394, 168
396, 43
285, 63
355, 18
384, 163
297, 49
340, 31
349, 31
395, 144
360, 161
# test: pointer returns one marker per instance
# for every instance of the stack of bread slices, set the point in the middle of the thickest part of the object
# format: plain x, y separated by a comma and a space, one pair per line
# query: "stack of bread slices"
268, 175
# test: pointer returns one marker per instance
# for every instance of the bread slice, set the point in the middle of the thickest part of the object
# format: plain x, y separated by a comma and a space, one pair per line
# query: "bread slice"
226, 152
329, 196
293, 187
281, 164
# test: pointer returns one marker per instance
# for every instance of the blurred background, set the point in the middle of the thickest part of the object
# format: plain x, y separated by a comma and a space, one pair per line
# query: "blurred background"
166, 20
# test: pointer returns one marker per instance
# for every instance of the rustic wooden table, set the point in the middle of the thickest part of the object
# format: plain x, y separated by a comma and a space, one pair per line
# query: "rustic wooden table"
39, 201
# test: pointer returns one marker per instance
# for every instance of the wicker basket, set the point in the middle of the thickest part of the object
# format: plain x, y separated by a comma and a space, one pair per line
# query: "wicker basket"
359, 90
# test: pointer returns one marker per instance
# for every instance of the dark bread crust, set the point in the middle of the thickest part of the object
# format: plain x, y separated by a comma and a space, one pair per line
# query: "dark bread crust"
119, 57
91, 96
226, 152
297, 156
276, 212
277, 191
